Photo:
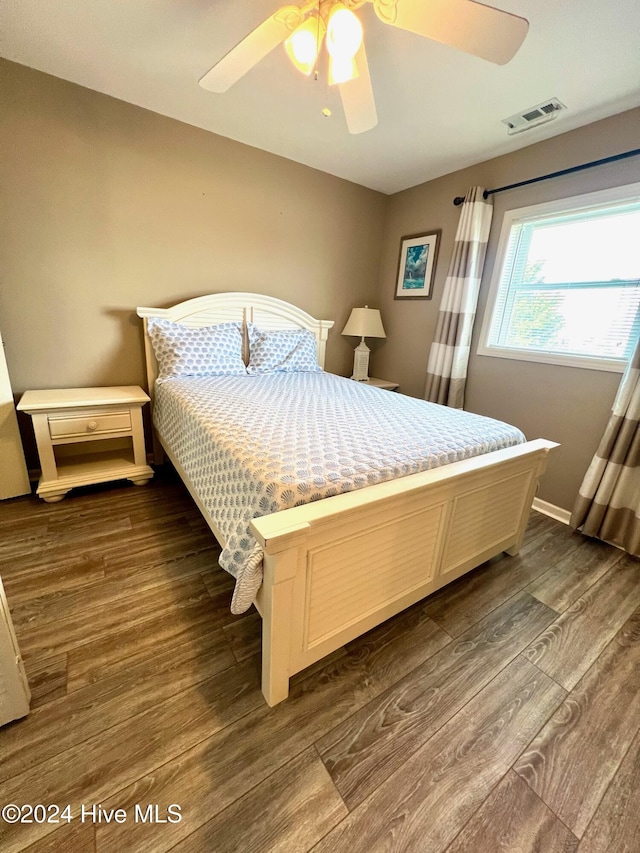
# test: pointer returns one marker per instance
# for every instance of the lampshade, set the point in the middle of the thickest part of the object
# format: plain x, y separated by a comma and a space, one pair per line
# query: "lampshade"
364, 323
342, 70
344, 32
303, 44
344, 37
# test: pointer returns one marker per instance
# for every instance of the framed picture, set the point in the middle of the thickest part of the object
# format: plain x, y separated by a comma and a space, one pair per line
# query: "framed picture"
417, 265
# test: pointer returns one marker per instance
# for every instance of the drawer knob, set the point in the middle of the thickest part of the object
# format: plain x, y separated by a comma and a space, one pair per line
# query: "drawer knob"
92, 425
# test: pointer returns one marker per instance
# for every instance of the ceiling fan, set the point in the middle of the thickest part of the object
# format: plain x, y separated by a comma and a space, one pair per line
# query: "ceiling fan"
469, 26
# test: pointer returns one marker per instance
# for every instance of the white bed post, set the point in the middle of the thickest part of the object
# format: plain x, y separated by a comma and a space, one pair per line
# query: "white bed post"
533, 488
276, 599
152, 372
321, 340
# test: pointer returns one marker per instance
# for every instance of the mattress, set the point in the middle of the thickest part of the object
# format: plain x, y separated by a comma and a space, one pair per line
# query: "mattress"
254, 445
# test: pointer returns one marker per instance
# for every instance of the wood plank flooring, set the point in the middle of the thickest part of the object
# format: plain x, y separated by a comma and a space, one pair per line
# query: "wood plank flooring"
500, 715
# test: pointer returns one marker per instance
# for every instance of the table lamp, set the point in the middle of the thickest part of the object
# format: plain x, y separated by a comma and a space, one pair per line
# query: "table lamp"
363, 323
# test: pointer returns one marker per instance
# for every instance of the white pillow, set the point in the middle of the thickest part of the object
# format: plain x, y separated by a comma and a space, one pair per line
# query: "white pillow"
190, 351
284, 351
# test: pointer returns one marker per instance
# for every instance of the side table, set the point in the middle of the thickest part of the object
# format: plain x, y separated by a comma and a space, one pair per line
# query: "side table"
381, 383
87, 436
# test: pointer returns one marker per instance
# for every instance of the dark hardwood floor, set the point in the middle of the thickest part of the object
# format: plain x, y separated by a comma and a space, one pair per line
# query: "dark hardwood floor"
500, 714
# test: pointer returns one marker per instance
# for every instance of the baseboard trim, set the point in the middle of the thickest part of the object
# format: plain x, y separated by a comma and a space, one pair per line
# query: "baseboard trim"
553, 511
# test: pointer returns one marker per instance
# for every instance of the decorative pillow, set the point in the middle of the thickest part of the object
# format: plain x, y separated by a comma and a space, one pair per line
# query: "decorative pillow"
286, 351
190, 351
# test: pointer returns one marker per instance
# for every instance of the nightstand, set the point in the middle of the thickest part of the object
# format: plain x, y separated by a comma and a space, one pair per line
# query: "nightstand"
87, 436
382, 383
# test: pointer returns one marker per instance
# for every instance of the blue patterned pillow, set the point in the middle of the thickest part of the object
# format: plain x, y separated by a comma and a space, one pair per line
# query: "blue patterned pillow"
286, 351
190, 351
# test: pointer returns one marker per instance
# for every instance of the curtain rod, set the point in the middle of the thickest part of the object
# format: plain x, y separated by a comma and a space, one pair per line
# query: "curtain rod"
459, 199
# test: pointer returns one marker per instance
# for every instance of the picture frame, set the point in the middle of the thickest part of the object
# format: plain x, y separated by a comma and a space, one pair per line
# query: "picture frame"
416, 265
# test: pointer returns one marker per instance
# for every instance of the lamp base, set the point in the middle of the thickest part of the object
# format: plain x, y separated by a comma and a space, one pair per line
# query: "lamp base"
361, 362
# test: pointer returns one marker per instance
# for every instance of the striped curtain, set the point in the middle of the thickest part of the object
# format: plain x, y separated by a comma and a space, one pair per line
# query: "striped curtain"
449, 354
608, 503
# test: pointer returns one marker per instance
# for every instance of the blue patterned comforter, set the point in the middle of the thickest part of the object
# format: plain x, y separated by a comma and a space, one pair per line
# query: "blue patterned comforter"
253, 445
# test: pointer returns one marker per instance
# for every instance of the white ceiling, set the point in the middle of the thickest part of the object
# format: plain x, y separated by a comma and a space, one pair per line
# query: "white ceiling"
439, 109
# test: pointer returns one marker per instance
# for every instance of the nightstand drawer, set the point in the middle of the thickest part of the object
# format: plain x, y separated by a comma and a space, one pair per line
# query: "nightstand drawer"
68, 427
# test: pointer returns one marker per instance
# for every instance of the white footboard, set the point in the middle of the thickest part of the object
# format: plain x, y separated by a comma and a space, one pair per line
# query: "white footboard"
338, 567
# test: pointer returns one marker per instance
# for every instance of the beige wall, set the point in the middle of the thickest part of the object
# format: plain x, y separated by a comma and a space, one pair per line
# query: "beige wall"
568, 405
109, 206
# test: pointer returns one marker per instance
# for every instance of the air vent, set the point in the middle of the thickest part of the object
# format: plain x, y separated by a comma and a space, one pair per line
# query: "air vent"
534, 116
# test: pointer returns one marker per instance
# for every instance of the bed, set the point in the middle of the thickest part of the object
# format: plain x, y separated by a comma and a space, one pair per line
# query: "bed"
329, 566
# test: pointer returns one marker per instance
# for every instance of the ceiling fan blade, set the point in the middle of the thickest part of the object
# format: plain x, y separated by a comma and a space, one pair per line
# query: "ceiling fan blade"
357, 97
464, 24
251, 49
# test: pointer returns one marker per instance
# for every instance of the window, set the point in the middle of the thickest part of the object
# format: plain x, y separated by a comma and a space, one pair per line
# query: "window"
566, 287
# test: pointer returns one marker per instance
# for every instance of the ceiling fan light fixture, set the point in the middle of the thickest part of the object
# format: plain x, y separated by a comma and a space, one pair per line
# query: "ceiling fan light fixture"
467, 25
303, 45
344, 33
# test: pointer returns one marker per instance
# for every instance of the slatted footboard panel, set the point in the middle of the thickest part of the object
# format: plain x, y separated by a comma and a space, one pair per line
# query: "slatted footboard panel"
390, 561
347, 583
484, 521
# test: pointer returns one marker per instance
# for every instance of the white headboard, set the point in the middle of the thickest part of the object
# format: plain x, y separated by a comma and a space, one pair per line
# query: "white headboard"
265, 311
